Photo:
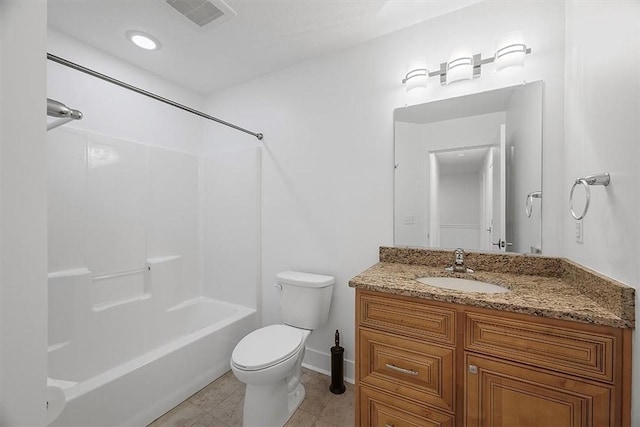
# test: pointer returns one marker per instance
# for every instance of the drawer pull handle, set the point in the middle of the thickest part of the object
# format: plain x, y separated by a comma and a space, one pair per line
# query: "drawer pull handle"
403, 370
388, 425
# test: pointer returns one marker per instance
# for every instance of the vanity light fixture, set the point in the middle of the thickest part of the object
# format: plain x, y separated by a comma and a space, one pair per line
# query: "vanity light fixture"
460, 66
510, 52
417, 74
463, 65
143, 40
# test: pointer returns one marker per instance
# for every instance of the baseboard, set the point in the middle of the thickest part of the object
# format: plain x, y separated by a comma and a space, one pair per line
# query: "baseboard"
321, 362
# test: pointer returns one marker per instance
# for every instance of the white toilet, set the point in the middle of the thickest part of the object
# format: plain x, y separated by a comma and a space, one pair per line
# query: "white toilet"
269, 360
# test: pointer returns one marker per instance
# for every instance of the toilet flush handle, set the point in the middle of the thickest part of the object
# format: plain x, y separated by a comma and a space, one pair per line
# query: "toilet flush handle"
278, 285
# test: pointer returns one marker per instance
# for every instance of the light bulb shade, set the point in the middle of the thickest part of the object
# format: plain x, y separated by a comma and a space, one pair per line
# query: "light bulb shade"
460, 66
417, 75
510, 52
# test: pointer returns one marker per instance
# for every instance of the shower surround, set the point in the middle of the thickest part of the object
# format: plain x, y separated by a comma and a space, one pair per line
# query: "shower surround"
134, 325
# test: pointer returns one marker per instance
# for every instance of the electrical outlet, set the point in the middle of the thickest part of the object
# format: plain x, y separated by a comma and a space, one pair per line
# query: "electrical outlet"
579, 232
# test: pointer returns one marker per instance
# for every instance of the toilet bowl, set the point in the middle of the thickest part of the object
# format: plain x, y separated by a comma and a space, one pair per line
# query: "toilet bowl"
269, 360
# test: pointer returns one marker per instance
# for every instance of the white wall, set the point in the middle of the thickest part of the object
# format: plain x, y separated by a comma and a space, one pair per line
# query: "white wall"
231, 225
603, 134
327, 176
23, 269
411, 217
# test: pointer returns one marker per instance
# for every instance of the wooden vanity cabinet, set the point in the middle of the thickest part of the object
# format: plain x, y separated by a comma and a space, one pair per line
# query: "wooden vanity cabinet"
426, 363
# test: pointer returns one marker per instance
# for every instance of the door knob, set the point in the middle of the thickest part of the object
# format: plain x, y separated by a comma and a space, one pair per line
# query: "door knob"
501, 243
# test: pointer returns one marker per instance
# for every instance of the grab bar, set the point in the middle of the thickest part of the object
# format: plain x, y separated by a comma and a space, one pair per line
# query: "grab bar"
121, 273
597, 179
528, 205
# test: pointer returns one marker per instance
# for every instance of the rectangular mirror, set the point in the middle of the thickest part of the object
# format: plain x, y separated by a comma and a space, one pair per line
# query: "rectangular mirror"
468, 172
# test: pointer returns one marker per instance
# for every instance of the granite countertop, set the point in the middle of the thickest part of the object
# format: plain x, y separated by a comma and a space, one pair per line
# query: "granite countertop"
554, 287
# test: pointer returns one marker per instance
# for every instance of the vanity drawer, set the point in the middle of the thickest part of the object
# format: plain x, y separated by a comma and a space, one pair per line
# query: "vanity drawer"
409, 318
412, 368
383, 410
582, 353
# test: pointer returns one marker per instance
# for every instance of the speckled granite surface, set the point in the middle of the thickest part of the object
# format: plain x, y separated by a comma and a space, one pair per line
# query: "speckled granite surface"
540, 286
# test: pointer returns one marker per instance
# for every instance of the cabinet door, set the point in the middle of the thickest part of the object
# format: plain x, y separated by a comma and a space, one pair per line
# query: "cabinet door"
502, 394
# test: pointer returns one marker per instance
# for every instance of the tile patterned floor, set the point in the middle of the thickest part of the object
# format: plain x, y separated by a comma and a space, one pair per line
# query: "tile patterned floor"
220, 405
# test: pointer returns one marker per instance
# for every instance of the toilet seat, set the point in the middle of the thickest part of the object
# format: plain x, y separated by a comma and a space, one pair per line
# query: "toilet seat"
267, 347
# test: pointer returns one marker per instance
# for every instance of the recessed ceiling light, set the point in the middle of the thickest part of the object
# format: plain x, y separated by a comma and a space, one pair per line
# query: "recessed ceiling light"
143, 40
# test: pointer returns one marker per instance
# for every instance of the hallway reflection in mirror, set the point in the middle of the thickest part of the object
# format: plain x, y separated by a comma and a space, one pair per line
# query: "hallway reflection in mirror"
464, 168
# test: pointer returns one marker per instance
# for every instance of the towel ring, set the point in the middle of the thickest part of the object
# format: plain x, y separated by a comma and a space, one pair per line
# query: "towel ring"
528, 205
598, 179
586, 205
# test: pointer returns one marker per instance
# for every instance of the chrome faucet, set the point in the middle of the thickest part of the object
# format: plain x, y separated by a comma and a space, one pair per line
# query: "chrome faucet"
458, 263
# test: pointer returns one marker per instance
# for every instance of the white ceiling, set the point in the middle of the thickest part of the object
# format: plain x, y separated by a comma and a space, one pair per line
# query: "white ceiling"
265, 36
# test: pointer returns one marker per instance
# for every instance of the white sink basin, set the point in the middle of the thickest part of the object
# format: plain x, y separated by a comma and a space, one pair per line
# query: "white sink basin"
463, 285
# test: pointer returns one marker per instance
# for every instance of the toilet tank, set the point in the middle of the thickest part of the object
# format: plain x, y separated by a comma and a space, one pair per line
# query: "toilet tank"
305, 298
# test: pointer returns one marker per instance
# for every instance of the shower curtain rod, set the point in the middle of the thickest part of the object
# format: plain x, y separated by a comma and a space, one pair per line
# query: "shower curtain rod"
120, 83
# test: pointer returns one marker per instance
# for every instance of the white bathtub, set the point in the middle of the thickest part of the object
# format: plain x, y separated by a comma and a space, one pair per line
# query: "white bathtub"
127, 363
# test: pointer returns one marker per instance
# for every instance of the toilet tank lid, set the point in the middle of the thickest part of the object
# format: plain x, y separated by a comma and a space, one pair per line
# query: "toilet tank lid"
305, 279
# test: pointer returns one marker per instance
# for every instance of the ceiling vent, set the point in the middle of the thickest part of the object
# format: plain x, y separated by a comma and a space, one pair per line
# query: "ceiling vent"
203, 12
